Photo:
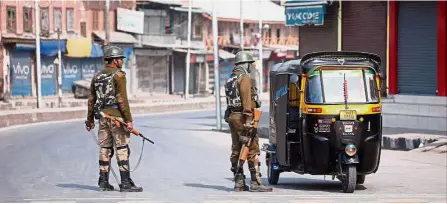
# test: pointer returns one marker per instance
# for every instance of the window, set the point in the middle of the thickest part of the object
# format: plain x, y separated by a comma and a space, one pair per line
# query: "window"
83, 29
44, 20
57, 18
27, 20
70, 19
360, 83
278, 33
95, 20
11, 19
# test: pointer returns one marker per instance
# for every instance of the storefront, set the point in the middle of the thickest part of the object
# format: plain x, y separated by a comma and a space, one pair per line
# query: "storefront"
364, 25
21, 70
418, 48
318, 24
153, 70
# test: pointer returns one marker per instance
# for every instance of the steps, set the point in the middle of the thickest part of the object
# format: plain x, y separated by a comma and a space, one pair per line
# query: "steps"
415, 112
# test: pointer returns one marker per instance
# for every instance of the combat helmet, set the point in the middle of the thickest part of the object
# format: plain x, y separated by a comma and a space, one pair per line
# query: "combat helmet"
113, 52
243, 56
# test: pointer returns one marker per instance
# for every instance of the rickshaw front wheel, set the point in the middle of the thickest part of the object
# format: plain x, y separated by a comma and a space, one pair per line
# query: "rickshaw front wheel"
350, 178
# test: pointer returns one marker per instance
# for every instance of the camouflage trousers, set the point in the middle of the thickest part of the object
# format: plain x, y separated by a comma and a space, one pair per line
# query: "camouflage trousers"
236, 123
109, 136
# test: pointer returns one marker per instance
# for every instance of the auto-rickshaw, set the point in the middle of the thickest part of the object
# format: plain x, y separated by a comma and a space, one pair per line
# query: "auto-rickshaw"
325, 117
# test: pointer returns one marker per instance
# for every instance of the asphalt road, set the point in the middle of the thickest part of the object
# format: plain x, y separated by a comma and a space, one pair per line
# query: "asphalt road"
189, 162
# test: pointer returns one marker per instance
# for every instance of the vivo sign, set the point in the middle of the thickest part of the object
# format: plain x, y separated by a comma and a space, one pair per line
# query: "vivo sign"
309, 15
21, 70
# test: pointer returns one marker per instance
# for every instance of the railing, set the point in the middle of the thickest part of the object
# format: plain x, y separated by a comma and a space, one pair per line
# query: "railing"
248, 41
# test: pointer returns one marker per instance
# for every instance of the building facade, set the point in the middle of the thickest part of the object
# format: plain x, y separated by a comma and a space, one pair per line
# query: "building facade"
81, 26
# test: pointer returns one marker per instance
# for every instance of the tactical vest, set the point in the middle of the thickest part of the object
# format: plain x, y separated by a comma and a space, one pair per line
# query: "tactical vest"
233, 95
105, 92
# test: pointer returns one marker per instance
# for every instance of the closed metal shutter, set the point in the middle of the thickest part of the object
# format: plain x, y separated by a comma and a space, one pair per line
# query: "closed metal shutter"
153, 74
417, 47
320, 38
364, 28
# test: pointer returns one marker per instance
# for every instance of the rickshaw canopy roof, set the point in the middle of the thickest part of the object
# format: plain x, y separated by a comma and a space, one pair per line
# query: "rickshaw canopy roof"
289, 67
340, 58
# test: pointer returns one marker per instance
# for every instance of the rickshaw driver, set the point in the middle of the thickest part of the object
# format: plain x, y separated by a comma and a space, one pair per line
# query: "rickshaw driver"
241, 100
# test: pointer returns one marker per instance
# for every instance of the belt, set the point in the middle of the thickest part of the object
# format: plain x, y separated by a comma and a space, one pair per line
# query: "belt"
111, 107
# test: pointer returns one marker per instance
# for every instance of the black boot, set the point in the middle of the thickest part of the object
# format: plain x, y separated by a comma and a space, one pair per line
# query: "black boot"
239, 179
127, 185
103, 182
256, 181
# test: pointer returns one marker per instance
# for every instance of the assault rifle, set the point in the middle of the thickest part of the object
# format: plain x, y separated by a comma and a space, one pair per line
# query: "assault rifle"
120, 122
251, 134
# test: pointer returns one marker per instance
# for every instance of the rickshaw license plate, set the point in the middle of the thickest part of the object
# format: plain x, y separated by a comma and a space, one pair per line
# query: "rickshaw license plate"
348, 115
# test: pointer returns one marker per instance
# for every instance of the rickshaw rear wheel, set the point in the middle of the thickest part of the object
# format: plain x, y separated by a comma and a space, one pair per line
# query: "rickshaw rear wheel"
350, 179
272, 175
361, 179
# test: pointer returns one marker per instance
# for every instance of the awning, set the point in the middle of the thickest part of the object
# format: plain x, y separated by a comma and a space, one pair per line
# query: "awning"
96, 50
117, 37
79, 47
226, 55
20, 46
185, 9
203, 52
302, 3
299, 13
50, 47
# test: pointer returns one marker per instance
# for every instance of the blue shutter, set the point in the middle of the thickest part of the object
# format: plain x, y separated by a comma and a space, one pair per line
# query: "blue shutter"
417, 48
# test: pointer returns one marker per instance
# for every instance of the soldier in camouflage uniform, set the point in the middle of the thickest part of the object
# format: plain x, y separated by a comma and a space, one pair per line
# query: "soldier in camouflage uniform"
109, 94
242, 98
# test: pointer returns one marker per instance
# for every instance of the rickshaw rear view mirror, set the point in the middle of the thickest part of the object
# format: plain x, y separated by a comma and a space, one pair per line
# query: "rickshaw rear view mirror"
294, 79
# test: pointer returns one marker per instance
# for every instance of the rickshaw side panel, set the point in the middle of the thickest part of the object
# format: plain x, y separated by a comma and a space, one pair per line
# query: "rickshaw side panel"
272, 133
281, 100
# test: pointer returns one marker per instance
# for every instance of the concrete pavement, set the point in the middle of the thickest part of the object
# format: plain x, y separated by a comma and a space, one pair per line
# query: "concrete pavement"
188, 163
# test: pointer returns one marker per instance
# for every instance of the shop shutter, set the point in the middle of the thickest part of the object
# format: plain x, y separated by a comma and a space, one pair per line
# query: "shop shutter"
364, 28
320, 38
417, 48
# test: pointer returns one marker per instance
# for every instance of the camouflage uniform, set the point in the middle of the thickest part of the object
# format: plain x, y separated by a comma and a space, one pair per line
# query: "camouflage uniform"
242, 98
109, 94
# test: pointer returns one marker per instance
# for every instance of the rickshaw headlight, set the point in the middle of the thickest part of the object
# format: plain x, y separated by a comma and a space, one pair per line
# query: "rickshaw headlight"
350, 149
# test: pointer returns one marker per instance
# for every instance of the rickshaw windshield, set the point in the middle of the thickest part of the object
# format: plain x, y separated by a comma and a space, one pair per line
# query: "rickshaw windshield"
326, 86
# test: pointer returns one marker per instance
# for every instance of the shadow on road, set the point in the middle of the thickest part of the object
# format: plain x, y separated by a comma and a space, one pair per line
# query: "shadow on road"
78, 186
198, 185
305, 184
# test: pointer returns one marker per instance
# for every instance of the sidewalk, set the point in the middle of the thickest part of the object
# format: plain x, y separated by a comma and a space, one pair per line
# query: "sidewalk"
77, 108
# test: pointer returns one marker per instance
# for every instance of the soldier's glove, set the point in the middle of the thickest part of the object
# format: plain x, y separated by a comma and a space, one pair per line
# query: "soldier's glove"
243, 139
89, 125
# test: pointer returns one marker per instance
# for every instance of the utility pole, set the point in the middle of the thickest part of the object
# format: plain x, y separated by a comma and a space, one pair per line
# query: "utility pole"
216, 71
261, 65
39, 72
242, 26
59, 68
188, 54
107, 19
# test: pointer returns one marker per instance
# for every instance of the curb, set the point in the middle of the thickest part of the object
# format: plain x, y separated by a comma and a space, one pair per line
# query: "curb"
50, 115
388, 142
